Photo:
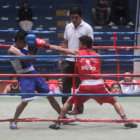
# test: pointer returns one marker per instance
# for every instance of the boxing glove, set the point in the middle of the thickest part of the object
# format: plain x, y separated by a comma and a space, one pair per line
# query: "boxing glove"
40, 43
31, 40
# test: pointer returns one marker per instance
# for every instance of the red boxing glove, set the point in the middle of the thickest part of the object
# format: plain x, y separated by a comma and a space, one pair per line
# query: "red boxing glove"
40, 43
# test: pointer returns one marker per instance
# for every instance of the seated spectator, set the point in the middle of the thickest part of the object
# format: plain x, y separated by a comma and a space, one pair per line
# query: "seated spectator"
101, 12
115, 88
51, 86
25, 17
120, 13
12, 88
109, 83
58, 90
129, 89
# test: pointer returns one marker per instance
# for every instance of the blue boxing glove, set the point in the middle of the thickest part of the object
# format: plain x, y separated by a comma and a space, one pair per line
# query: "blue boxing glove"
31, 42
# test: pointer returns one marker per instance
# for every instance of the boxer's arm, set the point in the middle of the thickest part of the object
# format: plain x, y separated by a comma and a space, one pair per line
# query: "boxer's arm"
65, 45
12, 51
63, 50
31, 40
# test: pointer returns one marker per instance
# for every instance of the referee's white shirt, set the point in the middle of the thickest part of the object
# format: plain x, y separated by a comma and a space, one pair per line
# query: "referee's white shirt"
72, 34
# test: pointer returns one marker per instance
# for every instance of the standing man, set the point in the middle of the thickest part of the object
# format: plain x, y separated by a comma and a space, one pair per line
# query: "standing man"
73, 31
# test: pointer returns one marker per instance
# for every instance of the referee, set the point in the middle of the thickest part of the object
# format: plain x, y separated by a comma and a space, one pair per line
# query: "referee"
75, 29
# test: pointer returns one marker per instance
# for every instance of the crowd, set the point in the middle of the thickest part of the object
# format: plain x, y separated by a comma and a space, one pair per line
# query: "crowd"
116, 12
105, 12
126, 86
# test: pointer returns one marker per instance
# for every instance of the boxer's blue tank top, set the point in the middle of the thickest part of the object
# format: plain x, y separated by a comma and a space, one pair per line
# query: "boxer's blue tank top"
21, 66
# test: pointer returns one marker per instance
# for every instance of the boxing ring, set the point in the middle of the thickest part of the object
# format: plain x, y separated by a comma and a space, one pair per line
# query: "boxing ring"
105, 58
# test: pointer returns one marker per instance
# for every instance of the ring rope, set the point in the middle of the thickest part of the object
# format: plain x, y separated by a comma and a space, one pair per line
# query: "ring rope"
67, 95
29, 31
16, 81
53, 42
117, 47
69, 75
69, 56
56, 60
73, 120
95, 33
111, 40
93, 47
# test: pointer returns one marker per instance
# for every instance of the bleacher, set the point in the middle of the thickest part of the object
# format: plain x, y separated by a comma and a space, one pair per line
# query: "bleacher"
52, 15
121, 40
107, 40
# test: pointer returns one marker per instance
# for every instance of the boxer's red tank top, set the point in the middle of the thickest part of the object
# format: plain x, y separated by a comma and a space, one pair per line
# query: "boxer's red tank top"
88, 65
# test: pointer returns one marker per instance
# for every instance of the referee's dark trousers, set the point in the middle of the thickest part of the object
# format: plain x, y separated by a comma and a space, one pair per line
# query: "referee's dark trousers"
69, 68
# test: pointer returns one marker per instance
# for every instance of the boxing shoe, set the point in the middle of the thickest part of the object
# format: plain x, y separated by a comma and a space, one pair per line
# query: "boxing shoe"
55, 126
13, 125
131, 125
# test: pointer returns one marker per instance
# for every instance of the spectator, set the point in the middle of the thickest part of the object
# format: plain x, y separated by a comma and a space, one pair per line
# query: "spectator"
129, 89
101, 12
51, 86
120, 13
73, 31
25, 17
59, 89
115, 88
12, 88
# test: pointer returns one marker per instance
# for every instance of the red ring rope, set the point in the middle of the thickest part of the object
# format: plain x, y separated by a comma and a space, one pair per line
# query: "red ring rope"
15, 81
72, 120
93, 47
69, 75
